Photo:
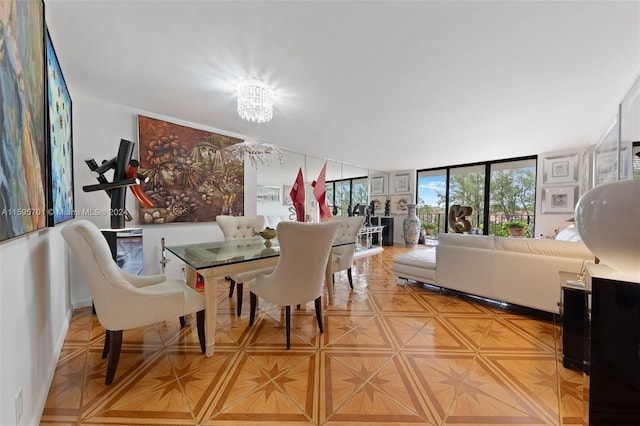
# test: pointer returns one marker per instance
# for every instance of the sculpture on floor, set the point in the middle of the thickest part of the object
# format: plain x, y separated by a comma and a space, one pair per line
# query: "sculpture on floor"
458, 218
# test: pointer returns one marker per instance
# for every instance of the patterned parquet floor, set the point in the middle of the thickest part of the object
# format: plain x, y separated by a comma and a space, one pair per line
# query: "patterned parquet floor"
389, 355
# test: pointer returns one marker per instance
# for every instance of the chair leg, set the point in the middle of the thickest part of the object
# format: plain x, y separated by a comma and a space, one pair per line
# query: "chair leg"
105, 350
350, 278
287, 320
183, 321
232, 285
318, 303
239, 303
115, 344
200, 326
253, 302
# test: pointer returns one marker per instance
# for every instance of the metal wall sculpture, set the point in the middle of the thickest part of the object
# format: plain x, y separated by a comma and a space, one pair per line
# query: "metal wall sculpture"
189, 178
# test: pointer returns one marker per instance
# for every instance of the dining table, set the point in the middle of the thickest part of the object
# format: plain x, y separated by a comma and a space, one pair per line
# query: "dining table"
215, 260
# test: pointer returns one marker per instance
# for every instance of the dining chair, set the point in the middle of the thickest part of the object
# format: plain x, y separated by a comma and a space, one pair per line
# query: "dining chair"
124, 301
300, 273
240, 228
342, 256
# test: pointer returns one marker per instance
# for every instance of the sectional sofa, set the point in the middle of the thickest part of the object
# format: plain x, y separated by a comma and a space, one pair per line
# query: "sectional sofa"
521, 271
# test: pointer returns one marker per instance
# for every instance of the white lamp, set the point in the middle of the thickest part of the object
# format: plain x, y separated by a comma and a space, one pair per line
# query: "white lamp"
608, 219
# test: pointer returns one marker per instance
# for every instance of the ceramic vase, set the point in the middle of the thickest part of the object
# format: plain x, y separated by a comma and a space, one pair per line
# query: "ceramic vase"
608, 220
411, 226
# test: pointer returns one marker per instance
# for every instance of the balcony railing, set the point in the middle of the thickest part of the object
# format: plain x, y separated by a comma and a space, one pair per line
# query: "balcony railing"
496, 221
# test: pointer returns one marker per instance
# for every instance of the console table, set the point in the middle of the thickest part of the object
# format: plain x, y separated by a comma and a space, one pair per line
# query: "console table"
366, 244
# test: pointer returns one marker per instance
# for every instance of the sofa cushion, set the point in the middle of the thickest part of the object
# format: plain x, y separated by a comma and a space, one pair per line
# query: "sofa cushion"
543, 247
466, 240
417, 265
420, 258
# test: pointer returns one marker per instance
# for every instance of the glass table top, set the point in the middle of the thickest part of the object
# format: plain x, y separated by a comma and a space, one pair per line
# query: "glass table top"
220, 253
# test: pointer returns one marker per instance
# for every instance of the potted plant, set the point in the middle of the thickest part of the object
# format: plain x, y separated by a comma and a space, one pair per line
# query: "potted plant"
515, 228
429, 228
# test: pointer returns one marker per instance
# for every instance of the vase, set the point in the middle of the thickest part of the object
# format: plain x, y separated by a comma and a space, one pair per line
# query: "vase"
607, 218
411, 226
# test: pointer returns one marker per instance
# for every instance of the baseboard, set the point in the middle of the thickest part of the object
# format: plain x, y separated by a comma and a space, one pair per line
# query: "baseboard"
51, 370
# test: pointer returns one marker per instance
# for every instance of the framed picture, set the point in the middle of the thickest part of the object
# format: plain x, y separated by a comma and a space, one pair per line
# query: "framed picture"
23, 199
560, 199
268, 194
586, 181
60, 176
399, 204
377, 185
189, 178
401, 183
629, 113
562, 169
286, 195
605, 157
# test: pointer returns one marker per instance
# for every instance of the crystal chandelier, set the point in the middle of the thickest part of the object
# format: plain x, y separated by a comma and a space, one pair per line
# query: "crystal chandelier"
255, 102
259, 153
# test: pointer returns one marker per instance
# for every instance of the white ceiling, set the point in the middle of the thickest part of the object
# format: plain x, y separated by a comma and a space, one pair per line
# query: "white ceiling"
388, 85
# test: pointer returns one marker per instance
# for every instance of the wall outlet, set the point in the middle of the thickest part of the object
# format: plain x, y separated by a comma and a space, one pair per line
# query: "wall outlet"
19, 406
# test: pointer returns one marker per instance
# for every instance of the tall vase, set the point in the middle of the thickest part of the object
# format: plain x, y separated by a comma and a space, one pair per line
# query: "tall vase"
411, 226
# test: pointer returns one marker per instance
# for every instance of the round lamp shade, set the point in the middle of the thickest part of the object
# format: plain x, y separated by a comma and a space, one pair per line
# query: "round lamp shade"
608, 220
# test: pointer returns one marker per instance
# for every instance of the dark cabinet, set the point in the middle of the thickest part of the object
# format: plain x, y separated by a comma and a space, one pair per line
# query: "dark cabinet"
387, 232
614, 388
574, 320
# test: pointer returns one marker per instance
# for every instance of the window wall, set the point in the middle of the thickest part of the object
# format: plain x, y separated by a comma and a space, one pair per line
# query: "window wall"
345, 194
498, 192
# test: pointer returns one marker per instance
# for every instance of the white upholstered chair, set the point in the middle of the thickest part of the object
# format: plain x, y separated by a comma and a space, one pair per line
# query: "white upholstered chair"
343, 255
299, 275
124, 301
241, 228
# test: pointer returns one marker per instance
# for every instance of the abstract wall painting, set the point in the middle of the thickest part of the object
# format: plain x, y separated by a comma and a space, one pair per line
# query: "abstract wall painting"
22, 118
189, 178
61, 200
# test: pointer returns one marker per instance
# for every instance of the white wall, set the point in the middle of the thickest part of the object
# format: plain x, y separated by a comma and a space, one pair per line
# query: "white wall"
41, 283
35, 308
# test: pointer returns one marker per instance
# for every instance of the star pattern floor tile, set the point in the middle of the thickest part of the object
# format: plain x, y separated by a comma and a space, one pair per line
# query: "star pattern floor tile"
390, 354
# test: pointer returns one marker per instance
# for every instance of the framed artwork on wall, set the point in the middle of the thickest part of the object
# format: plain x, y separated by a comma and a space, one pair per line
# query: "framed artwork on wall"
60, 176
401, 183
268, 193
286, 195
23, 199
606, 156
586, 181
562, 169
629, 113
377, 185
189, 180
399, 204
559, 199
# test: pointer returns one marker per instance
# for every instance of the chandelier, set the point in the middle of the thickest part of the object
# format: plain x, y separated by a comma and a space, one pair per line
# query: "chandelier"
255, 102
259, 153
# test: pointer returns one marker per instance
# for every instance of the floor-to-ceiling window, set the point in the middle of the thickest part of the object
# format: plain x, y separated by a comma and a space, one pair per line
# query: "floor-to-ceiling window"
512, 192
344, 195
498, 193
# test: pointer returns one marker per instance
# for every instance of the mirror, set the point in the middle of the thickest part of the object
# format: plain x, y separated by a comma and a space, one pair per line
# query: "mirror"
274, 182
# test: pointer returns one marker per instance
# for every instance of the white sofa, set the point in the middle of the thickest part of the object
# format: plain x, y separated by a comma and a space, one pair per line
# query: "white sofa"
521, 271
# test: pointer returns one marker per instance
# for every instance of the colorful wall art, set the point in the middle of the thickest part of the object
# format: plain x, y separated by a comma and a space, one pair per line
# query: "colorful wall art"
22, 118
61, 201
189, 178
